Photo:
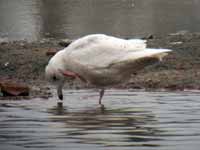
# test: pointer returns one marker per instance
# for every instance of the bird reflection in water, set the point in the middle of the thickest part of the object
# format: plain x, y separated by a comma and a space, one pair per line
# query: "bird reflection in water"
109, 127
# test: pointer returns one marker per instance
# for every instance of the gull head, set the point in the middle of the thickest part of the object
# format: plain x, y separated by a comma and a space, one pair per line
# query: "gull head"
53, 72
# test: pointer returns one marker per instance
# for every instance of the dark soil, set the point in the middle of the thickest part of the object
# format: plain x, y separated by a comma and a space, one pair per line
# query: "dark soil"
25, 62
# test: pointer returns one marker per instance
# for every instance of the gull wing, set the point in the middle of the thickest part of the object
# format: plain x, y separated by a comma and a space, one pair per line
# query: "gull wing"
99, 51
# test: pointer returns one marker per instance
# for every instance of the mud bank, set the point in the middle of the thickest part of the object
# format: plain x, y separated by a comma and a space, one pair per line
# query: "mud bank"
24, 62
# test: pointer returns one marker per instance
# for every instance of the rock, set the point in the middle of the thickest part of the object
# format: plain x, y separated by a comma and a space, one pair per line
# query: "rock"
133, 85
176, 43
65, 42
47, 33
42, 41
151, 36
6, 64
148, 37
174, 87
22, 44
11, 88
51, 52
179, 33
4, 41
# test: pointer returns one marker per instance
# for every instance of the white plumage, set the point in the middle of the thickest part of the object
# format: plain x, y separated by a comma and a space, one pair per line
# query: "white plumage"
101, 60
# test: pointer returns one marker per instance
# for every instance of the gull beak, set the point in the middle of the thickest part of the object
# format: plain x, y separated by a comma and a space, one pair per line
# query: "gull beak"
60, 95
59, 90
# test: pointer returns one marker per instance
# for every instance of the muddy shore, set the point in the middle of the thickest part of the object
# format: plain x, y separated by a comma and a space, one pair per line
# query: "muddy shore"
24, 62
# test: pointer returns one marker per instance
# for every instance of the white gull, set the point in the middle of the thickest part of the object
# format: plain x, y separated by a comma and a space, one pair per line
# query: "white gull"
101, 60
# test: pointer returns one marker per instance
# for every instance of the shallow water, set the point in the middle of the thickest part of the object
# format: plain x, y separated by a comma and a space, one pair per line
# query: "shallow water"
130, 120
37, 19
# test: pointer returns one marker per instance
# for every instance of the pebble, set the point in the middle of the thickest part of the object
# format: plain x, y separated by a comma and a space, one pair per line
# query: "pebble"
51, 52
65, 42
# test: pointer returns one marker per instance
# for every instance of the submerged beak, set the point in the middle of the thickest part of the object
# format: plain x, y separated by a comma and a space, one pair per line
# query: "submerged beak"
60, 95
59, 90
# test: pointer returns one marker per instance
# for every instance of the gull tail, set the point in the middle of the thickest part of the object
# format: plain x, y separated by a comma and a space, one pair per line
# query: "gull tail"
146, 53
158, 53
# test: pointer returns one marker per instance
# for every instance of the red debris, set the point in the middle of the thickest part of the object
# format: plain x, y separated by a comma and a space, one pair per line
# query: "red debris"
10, 88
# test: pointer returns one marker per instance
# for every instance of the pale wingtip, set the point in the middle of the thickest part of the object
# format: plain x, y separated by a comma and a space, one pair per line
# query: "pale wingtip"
168, 50
162, 53
160, 50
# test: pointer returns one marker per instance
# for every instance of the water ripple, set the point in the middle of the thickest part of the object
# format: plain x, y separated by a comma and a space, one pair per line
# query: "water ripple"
144, 120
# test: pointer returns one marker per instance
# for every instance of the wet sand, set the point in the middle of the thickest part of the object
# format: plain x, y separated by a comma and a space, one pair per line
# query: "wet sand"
25, 62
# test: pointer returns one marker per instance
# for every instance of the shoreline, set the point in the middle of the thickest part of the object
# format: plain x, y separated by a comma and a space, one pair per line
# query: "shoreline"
24, 62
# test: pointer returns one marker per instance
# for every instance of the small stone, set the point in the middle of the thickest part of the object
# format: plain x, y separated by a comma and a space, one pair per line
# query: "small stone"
6, 64
65, 42
42, 41
11, 88
174, 87
176, 43
150, 36
51, 52
22, 44
182, 32
47, 33
4, 41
